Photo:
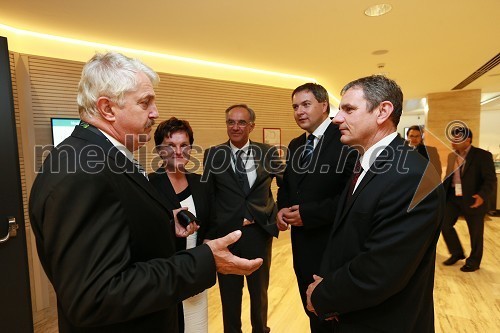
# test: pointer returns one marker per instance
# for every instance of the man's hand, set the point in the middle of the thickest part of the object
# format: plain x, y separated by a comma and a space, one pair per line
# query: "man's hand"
228, 263
310, 290
478, 201
291, 216
180, 231
282, 225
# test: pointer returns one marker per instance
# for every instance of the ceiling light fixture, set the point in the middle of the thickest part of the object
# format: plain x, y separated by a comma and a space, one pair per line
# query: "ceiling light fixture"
380, 52
378, 10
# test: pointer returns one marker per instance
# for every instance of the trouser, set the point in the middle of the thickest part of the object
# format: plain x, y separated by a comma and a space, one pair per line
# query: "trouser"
254, 243
307, 252
475, 223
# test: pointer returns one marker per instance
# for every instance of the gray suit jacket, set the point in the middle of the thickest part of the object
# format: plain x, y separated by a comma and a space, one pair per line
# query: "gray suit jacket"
229, 196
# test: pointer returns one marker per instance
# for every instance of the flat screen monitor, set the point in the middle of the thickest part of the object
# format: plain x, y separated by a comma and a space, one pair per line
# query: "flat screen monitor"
62, 128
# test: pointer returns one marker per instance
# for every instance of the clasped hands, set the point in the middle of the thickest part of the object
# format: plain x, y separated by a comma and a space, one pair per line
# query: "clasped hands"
289, 216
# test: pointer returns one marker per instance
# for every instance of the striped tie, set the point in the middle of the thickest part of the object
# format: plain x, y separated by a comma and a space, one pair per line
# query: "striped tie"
308, 150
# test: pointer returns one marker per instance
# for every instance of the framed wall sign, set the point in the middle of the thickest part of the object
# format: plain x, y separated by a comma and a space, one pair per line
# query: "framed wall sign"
272, 136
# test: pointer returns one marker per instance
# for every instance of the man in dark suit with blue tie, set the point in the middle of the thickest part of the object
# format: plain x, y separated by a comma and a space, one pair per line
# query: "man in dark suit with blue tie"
240, 172
377, 273
104, 235
318, 167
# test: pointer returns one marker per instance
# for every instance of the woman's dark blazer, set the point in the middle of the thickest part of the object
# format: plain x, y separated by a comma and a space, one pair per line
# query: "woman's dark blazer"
201, 197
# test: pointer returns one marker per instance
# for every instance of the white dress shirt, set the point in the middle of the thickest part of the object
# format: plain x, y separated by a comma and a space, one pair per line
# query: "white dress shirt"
371, 155
248, 161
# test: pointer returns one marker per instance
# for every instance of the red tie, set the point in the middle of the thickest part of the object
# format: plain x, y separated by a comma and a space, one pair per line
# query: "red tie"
355, 175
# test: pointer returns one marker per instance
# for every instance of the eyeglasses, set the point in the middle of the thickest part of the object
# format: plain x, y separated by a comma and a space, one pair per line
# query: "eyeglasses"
239, 123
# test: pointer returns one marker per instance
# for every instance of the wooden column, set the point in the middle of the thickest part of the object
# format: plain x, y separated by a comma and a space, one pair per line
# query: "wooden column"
448, 110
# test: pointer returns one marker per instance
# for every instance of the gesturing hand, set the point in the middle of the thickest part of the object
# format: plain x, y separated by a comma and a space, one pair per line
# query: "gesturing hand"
228, 263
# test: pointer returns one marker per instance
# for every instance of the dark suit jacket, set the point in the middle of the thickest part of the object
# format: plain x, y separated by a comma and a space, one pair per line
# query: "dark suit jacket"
378, 267
105, 241
201, 196
229, 196
316, 190
477, 176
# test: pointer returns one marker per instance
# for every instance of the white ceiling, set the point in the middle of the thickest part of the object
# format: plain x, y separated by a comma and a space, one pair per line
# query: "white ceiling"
433, 44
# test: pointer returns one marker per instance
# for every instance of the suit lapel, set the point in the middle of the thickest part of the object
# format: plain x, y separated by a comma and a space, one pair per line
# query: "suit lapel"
223, 162
131, 171
323, 144
167, 189
122, 163
468, 160
258, 159
385, 156
194, 186
296, 154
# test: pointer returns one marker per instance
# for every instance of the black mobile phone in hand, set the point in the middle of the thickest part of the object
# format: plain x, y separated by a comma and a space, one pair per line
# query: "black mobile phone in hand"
185, 217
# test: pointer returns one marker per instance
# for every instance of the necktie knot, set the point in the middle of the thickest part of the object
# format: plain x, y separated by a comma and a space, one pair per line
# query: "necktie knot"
239, 165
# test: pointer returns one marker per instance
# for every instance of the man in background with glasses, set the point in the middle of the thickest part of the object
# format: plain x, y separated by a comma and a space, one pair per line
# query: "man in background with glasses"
241, 172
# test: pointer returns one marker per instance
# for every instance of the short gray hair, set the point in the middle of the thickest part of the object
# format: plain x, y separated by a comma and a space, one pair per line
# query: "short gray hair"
244, 106
376, 89
112, 75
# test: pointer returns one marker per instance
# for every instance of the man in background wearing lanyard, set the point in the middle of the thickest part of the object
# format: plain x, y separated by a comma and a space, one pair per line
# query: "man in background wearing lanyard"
468, 189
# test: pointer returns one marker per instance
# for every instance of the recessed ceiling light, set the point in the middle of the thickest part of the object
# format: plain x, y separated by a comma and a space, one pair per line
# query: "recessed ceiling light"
380, 52
378, 10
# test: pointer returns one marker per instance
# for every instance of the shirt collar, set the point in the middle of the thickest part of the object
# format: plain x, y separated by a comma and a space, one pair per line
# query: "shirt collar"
119, 146
318, 132
372, 153
235, 149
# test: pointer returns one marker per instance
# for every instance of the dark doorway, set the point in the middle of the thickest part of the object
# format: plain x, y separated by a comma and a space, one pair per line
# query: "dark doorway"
15, 299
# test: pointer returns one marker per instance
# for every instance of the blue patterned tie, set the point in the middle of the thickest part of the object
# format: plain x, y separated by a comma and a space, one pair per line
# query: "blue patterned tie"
308, 151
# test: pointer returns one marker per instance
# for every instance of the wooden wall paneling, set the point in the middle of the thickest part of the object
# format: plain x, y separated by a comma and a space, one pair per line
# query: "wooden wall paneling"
22, 173
38, 280
203, 101
200, 101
